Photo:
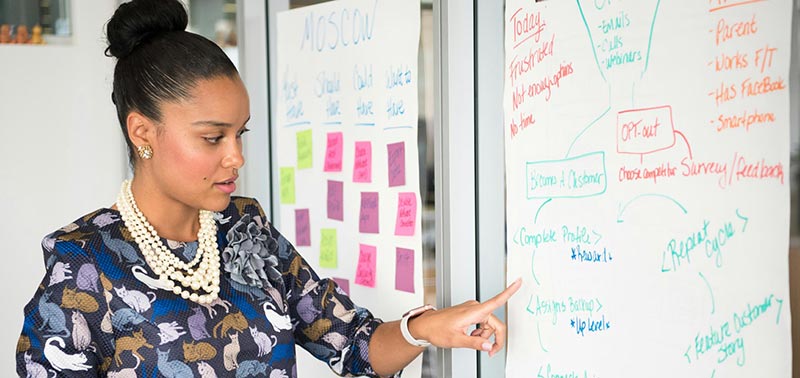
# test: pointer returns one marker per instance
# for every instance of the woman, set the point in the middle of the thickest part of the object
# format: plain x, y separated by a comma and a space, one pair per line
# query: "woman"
181, 278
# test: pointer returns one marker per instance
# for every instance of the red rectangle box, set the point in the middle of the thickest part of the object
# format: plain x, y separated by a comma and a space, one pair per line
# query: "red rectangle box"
644, 131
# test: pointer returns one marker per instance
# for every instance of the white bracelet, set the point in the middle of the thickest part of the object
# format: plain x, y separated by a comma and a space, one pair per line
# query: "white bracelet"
404, 325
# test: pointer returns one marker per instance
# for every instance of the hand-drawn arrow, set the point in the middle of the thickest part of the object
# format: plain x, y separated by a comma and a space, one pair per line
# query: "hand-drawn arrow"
688, 146
591, 41
536, 217
588, 126
540, 338
622, 208
744, 218
533, 271
713, 303
598, 237
650, 39
529, 306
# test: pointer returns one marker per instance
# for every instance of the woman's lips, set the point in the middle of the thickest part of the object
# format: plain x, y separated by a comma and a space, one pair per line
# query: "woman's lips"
228, 186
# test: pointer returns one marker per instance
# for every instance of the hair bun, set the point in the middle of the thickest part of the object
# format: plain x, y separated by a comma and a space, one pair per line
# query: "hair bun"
136, 21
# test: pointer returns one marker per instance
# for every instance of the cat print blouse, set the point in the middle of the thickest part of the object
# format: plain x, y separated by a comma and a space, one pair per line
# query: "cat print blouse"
100, 311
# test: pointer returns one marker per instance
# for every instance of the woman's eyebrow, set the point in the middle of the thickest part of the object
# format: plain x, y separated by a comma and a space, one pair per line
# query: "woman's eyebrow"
211, 123
216, 123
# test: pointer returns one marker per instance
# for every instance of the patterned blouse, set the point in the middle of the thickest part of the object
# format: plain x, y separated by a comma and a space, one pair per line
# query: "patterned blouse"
101, 311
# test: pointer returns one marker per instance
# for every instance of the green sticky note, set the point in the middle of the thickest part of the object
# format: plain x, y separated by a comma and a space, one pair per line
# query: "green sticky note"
304, 146
287, 185
327, 248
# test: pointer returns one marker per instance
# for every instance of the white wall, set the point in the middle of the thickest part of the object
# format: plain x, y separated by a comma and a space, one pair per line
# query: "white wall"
61, 152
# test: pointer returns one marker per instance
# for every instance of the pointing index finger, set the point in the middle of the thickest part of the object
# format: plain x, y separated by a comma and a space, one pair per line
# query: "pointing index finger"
503, 297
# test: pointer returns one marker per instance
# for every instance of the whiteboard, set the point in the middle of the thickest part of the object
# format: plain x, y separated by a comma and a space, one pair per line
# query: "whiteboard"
647, 182
347, 151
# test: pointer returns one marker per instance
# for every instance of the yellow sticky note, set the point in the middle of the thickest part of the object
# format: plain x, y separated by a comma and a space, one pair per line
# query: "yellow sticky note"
304, 149
327, 248
287, 185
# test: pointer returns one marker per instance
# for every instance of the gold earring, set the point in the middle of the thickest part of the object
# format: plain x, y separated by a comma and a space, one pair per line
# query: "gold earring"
145, 152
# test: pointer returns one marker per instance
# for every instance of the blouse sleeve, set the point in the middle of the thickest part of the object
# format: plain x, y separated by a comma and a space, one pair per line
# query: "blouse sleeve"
328, 324
61, 332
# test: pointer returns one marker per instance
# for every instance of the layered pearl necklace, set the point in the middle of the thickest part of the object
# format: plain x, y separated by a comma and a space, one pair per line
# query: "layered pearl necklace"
184, 279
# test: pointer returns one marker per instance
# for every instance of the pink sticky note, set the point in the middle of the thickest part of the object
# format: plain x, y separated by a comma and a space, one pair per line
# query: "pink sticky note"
406, 214
333, 152
397, 164
335, 200
344, 284
404, 270
302, 228
368, 216
362, 165
365, 272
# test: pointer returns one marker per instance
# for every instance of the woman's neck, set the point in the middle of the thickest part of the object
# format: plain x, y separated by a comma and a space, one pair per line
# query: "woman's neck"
171, 219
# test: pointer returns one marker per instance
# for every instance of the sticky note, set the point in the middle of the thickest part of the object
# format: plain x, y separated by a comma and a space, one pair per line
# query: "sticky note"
397, 164
287, 185
333, 152
368, 217
335, 200
343, 283
304, 149
362, 165
406, 214
302, 228
404, 270
365, 272
327, 248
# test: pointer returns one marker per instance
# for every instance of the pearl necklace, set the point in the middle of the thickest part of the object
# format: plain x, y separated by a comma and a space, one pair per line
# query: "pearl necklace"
184, 279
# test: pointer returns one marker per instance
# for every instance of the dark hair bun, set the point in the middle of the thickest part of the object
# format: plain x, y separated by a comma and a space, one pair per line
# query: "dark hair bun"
139, 20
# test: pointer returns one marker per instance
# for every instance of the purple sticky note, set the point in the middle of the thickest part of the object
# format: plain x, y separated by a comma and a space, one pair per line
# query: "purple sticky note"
344, 284
302, 228
362, 163
333, 152
397, 164
365, 272
406, 214
335, 200
368, 216
404, 270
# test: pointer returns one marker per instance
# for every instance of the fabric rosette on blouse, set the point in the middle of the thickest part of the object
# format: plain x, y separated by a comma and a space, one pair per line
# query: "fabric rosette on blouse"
251, 255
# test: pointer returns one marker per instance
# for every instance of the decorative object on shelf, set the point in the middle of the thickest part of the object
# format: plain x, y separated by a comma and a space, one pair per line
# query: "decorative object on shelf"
36, 38
5, 33
22, 36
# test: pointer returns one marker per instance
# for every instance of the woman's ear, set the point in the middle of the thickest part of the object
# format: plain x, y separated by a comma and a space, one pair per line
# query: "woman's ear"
141, 130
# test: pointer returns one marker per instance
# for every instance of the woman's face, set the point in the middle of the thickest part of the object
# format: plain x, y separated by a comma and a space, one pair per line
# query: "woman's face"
198, 147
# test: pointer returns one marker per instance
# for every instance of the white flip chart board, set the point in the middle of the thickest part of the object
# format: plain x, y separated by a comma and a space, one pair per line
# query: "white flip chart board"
647, 176
347, 151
